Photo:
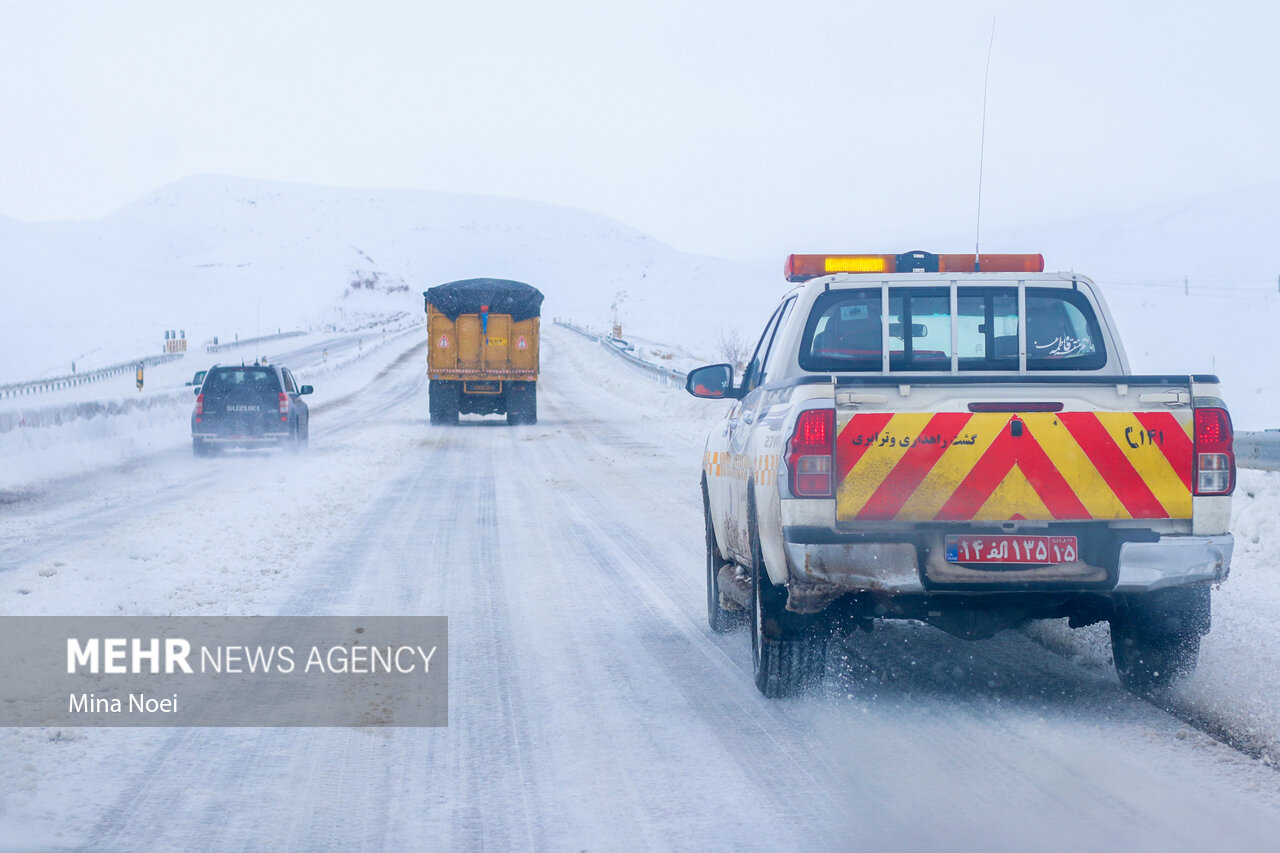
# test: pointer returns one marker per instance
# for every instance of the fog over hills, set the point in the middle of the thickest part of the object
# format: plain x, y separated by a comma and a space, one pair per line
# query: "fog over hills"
225, 256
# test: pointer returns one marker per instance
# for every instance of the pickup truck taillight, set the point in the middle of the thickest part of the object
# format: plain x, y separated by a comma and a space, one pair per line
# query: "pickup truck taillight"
199, 406
1215, 460
284, 406
810, 451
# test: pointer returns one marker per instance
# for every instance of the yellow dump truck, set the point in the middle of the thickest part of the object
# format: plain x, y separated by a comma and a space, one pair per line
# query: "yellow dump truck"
482, 354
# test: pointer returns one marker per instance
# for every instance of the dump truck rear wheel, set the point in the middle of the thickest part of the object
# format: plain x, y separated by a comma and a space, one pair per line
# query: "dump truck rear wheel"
443, 400
522, 403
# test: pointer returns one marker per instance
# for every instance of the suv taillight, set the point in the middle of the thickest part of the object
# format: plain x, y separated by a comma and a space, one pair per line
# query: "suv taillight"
199, 406
284, 406
1215, 460
809, 454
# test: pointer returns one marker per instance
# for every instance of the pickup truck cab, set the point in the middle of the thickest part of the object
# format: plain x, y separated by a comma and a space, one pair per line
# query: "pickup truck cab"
918, 436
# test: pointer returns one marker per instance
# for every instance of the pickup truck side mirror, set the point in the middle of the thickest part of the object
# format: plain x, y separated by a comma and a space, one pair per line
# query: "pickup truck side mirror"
713, 382
305, 389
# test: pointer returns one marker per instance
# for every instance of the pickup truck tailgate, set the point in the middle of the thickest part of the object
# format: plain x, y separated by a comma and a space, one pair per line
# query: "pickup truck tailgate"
1006, 466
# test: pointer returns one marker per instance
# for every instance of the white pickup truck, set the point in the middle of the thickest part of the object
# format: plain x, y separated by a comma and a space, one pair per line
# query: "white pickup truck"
917, 436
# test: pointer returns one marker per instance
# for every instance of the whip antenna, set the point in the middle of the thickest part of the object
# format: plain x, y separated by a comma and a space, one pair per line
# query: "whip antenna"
982, 148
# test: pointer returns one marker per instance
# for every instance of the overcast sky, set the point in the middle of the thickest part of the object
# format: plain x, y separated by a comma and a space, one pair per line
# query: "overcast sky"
738, 128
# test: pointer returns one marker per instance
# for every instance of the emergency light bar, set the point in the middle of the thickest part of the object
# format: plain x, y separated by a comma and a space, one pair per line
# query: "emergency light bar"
805, 267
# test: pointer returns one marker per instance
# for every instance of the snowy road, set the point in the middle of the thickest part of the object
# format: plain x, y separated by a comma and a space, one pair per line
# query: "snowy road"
590, 708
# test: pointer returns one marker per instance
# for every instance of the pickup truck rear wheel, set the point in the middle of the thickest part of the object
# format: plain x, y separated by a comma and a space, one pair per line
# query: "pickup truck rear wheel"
718, 618
1155, 637
785, 657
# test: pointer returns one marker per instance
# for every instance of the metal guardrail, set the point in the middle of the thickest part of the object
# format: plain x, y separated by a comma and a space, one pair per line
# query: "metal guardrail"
1258, 450
246, 341
60, 414
578, 329
665, 375
71, 380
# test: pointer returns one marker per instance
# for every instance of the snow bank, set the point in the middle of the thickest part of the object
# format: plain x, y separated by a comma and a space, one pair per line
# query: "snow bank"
74, 439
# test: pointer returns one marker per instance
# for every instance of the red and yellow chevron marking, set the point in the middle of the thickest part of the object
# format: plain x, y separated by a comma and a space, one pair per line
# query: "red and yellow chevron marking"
956, 466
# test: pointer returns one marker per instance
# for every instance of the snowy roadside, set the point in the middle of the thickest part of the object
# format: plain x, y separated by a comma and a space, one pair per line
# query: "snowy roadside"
1236, 686
121, 434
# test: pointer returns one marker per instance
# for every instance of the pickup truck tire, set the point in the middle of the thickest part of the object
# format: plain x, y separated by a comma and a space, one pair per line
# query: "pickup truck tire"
1155, 637
718, 618
785, 658
443, 401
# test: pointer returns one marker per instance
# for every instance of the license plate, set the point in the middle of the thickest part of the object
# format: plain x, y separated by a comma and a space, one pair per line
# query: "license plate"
1022, 550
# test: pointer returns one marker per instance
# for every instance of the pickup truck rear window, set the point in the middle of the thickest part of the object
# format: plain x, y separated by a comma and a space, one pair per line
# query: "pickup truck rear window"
846, 330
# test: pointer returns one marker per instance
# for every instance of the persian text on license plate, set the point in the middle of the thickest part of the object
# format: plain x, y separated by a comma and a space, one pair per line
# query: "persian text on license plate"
1024, 550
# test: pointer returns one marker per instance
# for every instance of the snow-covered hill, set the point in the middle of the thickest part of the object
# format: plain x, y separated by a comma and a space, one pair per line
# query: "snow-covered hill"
223, 256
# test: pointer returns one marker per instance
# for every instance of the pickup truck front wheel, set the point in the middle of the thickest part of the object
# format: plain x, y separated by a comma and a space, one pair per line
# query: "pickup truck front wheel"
786, 657
1155, 637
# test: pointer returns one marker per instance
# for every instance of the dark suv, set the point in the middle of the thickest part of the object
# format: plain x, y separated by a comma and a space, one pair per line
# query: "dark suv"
249, 406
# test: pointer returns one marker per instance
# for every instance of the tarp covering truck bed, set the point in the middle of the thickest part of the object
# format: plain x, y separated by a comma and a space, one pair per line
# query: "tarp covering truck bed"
469, 296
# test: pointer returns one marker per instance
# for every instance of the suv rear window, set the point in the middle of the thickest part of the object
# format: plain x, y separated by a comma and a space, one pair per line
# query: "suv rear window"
251, 379
846, 330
